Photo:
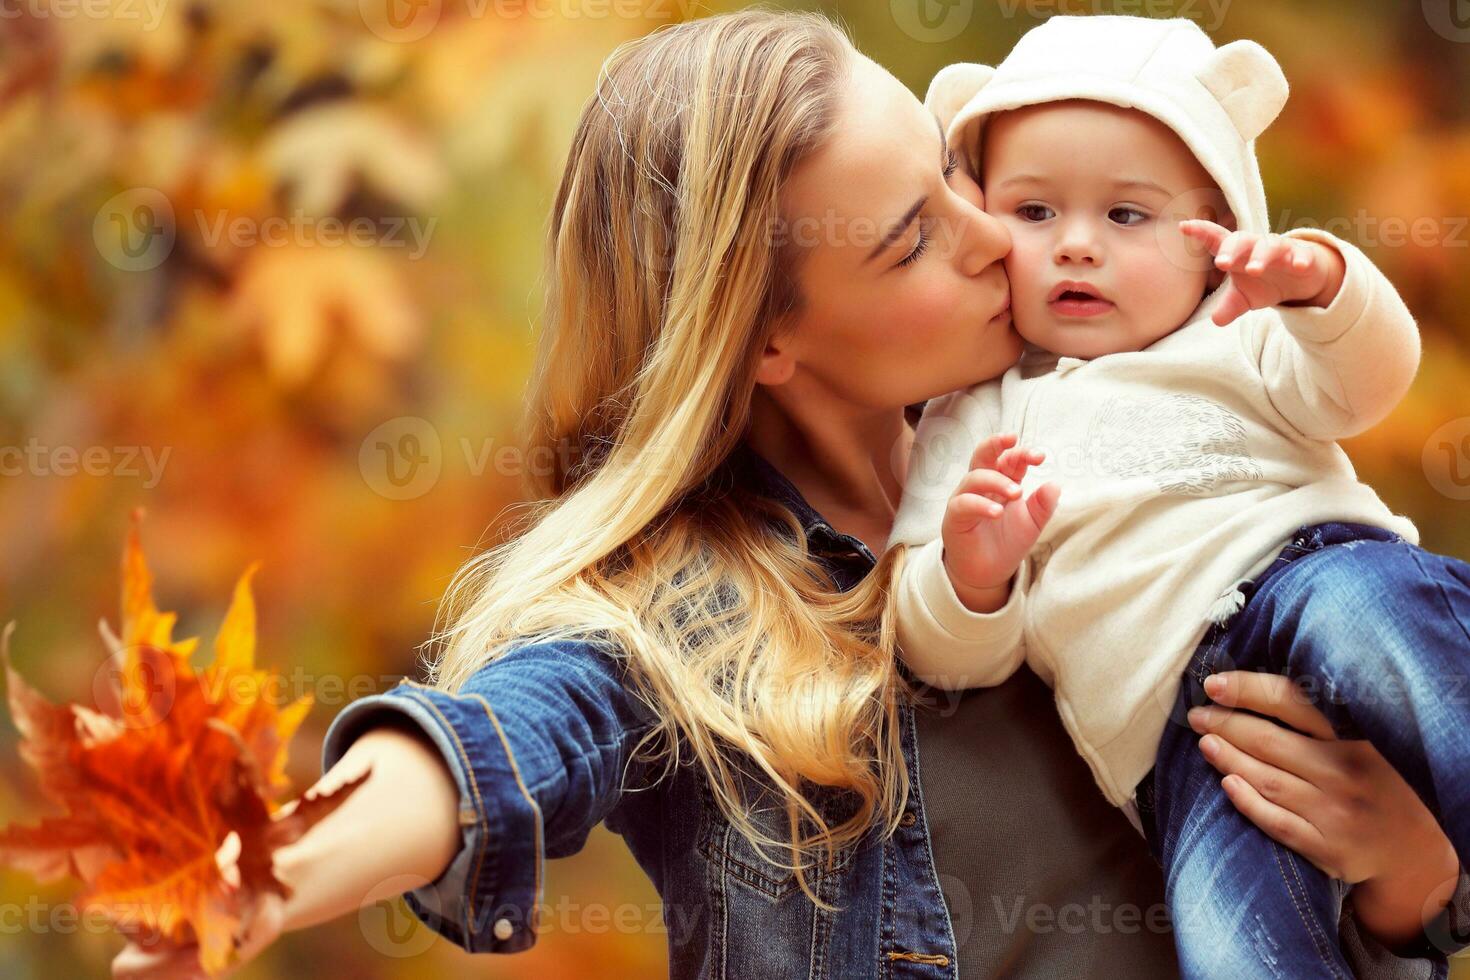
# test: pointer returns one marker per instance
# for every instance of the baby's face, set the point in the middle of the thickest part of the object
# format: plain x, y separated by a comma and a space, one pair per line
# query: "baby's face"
1092, 195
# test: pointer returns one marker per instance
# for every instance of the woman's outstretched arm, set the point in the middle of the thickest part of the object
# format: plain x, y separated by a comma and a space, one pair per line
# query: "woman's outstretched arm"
538, 746
399, 829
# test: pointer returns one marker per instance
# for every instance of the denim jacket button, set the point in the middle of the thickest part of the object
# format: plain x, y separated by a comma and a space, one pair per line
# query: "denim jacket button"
503, 929
908, 819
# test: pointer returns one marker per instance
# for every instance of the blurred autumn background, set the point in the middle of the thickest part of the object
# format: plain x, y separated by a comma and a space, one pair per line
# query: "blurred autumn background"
271, 270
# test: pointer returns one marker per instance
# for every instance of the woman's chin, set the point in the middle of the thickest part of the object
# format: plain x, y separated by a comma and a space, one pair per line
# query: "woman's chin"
1008, 334
1002, 347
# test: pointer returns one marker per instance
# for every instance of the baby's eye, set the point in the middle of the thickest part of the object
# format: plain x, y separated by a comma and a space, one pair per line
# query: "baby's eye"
1034, 212
1126, 216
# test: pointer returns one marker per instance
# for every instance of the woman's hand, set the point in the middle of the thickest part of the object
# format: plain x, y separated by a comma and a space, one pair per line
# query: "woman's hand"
140, 960
397, 831
136, 962
1337, 803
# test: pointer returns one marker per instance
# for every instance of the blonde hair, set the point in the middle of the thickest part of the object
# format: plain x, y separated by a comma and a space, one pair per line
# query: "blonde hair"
664, 284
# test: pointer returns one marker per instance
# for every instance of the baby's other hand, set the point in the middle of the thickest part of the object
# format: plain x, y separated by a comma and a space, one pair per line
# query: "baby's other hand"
989, 527
1268, 270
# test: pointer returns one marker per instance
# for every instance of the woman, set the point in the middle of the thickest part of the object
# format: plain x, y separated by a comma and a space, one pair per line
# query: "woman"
690, 638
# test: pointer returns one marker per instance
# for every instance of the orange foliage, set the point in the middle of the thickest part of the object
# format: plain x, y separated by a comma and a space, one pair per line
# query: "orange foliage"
171, 796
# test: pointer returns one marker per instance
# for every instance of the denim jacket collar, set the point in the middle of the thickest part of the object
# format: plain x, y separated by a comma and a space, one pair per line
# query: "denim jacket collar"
750, 469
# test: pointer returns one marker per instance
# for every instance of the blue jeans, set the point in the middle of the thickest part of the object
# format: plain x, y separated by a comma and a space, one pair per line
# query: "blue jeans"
1378, 630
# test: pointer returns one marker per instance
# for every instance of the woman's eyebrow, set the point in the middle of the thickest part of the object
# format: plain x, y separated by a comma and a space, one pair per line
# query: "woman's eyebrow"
902, 225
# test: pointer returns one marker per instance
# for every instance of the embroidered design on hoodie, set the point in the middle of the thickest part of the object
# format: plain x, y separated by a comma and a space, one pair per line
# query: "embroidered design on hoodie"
1188, 445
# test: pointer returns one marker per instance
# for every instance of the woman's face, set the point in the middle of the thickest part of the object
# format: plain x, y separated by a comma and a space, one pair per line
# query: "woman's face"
905, 297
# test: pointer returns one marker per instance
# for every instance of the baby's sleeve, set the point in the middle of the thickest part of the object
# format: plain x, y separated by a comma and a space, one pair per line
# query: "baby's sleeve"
1335, 371
943, 642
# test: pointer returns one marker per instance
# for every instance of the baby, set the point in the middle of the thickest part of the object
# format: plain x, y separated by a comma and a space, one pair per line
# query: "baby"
1188, 373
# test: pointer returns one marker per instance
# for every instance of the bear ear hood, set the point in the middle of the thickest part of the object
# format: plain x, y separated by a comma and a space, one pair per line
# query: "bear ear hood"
1249, 85
953, 87
1218, 100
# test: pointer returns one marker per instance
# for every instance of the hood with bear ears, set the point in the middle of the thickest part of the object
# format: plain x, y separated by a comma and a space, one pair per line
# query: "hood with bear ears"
1218, 100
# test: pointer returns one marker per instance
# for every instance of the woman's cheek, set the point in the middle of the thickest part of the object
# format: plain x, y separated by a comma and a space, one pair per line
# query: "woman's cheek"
932, 315
932, 308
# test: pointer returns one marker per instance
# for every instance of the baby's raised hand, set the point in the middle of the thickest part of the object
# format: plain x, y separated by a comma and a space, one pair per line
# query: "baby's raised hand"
988, 527
1268, 270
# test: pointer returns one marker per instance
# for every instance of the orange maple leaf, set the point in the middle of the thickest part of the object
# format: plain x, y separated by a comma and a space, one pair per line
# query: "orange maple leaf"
240, 695
154, 788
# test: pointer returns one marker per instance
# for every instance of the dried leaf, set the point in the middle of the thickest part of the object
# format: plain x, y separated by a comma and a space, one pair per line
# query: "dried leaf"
170, 797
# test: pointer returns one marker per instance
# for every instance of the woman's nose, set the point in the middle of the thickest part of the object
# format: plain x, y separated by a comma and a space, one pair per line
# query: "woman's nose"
986, 242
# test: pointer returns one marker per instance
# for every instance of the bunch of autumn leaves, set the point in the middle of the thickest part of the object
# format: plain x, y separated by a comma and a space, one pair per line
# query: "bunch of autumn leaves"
171, 788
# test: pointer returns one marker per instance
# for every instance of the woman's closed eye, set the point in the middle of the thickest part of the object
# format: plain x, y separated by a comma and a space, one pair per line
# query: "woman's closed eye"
919, 249
951, 167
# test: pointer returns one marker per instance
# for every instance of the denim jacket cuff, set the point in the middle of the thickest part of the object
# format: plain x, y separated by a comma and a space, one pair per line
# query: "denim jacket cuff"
488, 897
1446, 935
1450, 931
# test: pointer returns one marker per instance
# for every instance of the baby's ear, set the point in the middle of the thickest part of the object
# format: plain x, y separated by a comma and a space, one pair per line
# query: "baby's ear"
954, 86
1249, 84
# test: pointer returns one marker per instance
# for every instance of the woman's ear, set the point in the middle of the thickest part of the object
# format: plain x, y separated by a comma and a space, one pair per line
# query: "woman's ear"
778, 360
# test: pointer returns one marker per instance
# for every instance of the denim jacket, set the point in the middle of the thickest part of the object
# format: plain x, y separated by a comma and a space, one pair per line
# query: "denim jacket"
540, 744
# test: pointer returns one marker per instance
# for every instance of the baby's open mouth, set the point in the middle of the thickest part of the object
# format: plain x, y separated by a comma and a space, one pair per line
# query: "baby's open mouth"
1077, 299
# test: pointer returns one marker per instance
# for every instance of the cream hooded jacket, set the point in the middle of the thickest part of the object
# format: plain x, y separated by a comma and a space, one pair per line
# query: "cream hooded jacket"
1184, 467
